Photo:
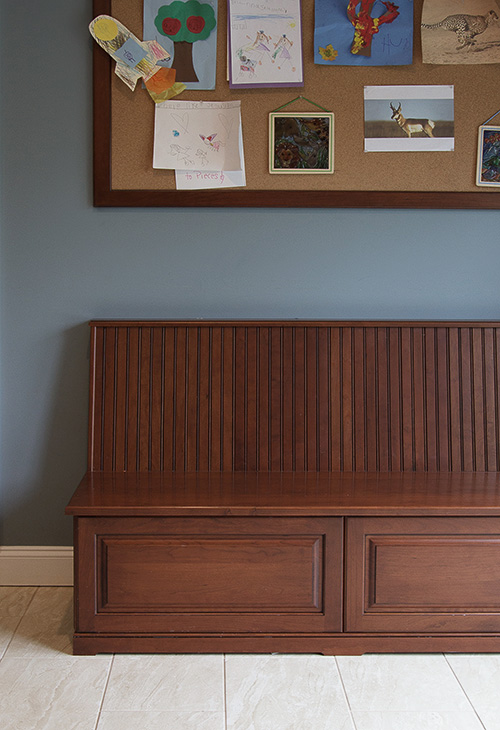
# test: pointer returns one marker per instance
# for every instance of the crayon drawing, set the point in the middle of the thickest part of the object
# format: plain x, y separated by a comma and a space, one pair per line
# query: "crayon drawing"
265, 46
363, 32
194, 135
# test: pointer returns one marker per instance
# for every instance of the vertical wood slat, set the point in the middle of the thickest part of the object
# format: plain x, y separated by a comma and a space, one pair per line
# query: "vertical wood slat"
132, 457
418, 400
192, 412
121, 399
288, 397
299, 435
96, 393
295, 397
169, 400
395, 399
490, 415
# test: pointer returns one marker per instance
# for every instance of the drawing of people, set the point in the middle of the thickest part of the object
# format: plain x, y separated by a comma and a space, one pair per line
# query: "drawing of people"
181, 153
259, 44
281, 50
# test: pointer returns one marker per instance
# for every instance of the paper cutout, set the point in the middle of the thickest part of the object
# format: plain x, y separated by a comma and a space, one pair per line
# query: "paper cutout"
409, 118
197, 136
468, 37
365, 26
363, 32
204, 180
488, 156
265, 44
135, 59
188, 31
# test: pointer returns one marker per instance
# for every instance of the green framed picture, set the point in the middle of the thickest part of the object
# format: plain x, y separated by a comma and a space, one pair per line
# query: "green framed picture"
301, 142
488, 156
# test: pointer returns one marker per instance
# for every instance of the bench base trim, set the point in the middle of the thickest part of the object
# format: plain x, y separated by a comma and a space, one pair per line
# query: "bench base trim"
327, 644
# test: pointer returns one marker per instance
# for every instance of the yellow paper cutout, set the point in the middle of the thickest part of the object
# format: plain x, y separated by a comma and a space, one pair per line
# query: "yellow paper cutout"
105, 29
135, 59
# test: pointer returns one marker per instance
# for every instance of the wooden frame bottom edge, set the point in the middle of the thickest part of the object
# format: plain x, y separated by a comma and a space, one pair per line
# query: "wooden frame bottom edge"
327, 644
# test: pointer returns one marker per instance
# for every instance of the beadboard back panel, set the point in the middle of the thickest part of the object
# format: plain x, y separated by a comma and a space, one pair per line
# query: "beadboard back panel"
294, 396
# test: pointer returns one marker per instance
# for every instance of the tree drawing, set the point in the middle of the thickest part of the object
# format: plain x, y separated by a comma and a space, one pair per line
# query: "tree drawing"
185, 23
365, 26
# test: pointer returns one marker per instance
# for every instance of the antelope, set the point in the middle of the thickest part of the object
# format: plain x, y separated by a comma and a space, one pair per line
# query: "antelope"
412, 126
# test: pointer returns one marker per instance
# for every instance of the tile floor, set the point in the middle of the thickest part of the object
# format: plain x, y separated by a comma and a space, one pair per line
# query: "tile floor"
43, 687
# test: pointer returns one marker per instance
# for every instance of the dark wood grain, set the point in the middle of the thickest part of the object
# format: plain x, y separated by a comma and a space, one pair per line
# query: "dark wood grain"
454, 564
290, 486
199, 574
287, 494
305, 397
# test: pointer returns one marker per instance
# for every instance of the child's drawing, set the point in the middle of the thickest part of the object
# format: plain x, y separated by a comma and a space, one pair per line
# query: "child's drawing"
188, 31
193, 148
211, 141
265, 46
282, 51
181, 154
363, 32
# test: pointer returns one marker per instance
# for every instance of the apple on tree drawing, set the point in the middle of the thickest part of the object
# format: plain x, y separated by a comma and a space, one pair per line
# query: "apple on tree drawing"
185, 23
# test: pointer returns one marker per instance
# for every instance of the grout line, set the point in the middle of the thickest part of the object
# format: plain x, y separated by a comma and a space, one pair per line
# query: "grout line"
19, 622
98, 719
225, 693
465, 693
345, 694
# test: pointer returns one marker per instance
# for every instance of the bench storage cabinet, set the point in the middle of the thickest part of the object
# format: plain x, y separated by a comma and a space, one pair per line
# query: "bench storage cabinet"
294, 486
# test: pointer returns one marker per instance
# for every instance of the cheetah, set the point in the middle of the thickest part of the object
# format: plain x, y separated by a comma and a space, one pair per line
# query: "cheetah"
465, 26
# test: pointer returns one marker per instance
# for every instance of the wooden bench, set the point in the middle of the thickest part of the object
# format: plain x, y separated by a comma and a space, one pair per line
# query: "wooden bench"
290, 486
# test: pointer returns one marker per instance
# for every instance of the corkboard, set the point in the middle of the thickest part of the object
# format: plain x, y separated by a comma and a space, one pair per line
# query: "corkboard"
124, 120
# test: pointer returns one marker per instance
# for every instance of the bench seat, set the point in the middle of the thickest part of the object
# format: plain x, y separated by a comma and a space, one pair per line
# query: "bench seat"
265, 494
290, 487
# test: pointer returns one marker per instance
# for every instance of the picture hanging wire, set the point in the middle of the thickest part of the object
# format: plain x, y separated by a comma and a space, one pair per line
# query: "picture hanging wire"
305, 99
489, 120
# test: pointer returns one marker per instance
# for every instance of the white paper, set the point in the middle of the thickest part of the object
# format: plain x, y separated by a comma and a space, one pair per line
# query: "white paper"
198, 135
205, 180
416, 118
265, 43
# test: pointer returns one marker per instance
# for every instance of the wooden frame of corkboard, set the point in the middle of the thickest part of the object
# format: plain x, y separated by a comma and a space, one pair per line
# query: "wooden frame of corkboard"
124, 122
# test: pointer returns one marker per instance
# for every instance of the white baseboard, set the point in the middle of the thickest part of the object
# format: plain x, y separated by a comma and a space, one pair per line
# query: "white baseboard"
36, 566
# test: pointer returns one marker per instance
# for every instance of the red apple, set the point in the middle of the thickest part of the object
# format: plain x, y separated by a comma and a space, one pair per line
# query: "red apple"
195, 23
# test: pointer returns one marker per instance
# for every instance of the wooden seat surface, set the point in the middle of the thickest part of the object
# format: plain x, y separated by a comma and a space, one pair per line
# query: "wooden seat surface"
286, 494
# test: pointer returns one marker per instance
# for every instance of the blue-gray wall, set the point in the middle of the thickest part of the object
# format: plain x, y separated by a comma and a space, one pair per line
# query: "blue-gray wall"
64, 262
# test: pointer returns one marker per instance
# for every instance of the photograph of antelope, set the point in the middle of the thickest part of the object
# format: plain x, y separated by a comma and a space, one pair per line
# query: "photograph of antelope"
409, 118
464, 34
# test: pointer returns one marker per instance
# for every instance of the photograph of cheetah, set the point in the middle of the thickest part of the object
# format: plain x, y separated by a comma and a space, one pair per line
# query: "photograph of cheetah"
471, 36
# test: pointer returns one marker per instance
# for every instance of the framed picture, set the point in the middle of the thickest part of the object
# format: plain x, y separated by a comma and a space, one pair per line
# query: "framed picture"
301, 142
488, 156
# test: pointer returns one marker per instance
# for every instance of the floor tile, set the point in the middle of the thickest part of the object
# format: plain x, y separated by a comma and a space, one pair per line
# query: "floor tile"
399, 682
8, 627
161, 721
479, 675
166, 682
51, 694
46, 628
417, 720
489, 718
285, 692
14, 600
